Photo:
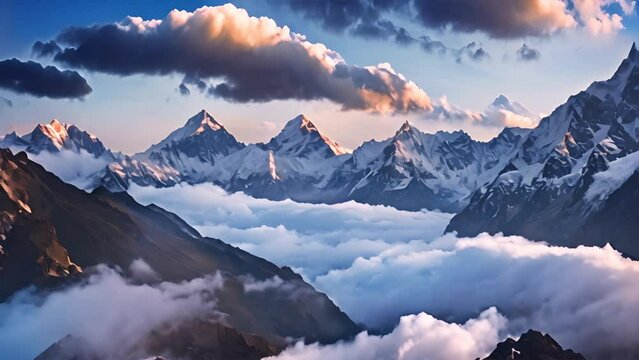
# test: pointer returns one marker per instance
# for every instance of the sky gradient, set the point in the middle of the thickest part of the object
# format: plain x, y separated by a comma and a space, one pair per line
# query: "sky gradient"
130, 112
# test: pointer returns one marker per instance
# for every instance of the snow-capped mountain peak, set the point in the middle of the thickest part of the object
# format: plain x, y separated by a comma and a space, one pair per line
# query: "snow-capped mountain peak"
72, 154
302, 122
504, 103
12, 140
55, 132
406, 126
203, 121
501, 101
407, 132
197, 124
56, 137
634, 53
300, 137
201, 136
568, 169
614, 87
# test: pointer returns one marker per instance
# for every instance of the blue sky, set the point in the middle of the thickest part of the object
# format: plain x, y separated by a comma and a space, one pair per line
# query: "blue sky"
130, 112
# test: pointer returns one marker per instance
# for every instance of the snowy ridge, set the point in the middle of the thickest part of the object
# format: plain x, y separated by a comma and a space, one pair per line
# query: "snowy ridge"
300, 138
562, 176
433, 171
613, 88
55, 137
411, 170
72, 154
442, 168
197, 124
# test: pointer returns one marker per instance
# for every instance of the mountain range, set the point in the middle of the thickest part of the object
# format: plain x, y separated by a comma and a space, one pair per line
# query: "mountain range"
411, 170
573, 180
532, 345
52, 233
569, 181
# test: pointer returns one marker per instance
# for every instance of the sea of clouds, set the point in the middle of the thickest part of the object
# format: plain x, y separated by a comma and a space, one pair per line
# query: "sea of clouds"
432, 296
393, 271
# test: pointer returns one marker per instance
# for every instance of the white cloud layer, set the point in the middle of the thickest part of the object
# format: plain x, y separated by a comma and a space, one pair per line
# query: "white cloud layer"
75, 168
379, 263
311, 238
417, 337
108, 311
596, 17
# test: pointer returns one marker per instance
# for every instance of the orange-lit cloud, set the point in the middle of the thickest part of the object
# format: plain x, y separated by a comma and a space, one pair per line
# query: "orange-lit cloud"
242, 58
497, 18
597, 20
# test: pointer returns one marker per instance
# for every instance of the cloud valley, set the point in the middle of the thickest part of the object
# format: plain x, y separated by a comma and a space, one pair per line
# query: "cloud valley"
399, 262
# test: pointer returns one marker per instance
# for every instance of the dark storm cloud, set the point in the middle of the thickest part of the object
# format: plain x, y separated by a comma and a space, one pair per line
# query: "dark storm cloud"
184, 90
195, 81
430, 45
402, 37
252, 59
45, 49
380, 29
191, 80
497, 18
33, 79
365, 18
526, 53
340, 15
6, 102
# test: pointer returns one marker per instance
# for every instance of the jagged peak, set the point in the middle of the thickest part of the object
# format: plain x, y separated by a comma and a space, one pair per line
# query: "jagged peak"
11, 135
501, 100
614, 87
513, 130
54, 130
203, 121
299, 130
633, 54
301, 122
199, 127
406, 127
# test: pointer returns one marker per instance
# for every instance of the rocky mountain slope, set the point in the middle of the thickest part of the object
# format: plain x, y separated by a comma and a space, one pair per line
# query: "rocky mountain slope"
50, 232
571, 173
532, 345
199, 339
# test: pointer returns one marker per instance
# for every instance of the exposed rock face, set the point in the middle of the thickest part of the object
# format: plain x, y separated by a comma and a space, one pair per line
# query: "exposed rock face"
532, 345
199, 339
